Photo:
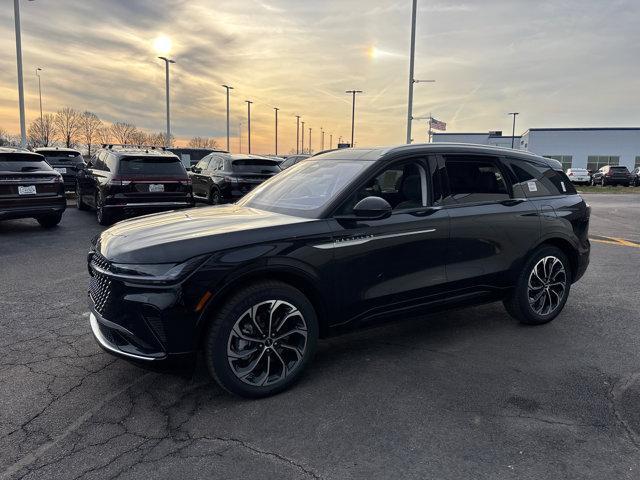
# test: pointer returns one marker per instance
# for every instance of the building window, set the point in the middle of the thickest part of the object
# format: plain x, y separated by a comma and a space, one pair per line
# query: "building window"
594, 162
637, 162
565, 160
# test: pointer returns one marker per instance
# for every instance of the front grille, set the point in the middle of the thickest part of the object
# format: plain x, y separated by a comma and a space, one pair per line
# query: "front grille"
100, 288
100, 292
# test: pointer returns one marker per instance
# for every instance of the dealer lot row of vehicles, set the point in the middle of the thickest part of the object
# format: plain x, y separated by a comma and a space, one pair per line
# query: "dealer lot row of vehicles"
606, 175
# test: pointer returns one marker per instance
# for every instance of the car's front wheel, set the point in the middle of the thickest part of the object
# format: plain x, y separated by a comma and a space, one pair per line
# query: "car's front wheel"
214, 196
102, 215
79, 201
261, 340
542, 288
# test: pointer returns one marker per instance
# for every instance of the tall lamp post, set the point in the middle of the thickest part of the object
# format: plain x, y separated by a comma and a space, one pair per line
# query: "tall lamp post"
309, 140
411, 63
227, 87
167, 61
302, 147
353, 111
297, 134
322, 141
23, 128
249, 102
513, 130
275, 109
331, 141
39, 93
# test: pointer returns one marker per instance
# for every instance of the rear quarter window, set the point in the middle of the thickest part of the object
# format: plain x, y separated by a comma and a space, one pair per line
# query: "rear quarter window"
537, 180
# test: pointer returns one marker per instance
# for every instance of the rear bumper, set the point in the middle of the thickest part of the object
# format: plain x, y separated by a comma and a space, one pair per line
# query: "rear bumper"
33, 208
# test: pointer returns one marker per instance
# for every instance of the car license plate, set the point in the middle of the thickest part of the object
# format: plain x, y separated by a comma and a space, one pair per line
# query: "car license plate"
61, 170
156, 187
27, 190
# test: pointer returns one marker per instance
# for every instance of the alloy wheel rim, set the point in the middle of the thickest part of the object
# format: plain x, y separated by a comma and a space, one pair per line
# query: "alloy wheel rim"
267, 343
547, 285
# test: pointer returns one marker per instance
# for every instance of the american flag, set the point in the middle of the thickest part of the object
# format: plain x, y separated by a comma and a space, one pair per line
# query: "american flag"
437, 124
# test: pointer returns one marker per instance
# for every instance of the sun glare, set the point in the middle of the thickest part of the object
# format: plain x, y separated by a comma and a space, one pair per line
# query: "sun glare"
162, 44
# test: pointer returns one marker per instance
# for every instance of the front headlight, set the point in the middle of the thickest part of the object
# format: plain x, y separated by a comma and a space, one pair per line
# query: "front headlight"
156, 272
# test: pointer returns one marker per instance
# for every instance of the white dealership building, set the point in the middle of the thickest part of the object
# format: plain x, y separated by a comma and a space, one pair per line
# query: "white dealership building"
575, 147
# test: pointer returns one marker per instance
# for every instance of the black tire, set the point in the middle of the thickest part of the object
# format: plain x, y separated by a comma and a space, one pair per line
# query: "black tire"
214, 196
79, 202
102, 215
519, 305
50, 221
222, 336
593, 182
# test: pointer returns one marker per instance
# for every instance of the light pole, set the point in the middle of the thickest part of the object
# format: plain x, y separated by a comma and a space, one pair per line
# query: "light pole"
23, 128
249, 102
167, 61
302, 148
331, 141
240, 137
227, 87
353, 112
411, 62
275, 109
39, 93
309, 140
297, 134
513, 131
322, 142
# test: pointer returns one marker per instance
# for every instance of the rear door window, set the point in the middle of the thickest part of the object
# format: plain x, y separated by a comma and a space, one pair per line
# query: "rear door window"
18, 162
150, 166
539, 180
475, 179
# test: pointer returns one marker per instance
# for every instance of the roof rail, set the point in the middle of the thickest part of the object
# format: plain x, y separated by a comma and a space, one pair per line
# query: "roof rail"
111, 146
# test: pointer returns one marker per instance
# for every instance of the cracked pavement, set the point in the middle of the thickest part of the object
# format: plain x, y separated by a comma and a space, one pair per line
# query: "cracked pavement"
463, 394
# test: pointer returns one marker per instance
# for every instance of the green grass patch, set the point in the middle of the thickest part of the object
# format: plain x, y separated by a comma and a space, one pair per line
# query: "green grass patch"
608, 189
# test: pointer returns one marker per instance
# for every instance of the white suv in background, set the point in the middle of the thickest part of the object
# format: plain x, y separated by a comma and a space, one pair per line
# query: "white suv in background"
579, 175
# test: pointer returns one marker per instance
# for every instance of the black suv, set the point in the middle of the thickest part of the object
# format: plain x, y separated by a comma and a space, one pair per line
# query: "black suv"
611, 175
127, 181
220, 178
190, 156
67, 161
339, 241
30, 188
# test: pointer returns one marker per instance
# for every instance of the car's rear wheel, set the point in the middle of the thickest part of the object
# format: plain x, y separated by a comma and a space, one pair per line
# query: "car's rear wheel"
103, 217
542, 288
50, 221
214, 196
261, 340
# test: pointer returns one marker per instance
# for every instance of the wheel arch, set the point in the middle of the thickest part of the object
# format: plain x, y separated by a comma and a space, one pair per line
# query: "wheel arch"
567, 248
295, 277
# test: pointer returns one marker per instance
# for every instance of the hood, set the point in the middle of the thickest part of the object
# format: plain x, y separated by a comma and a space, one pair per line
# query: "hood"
179, 235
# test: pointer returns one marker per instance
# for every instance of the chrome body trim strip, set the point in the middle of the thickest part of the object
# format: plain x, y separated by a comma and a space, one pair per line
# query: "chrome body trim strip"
95, 328
350, 242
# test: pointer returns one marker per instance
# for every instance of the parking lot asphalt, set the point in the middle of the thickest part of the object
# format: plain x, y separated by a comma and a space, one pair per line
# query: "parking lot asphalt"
468, 394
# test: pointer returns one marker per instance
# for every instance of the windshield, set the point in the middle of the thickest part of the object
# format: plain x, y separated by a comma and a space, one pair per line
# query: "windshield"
305, 188
150, 166
23, 163
255, 166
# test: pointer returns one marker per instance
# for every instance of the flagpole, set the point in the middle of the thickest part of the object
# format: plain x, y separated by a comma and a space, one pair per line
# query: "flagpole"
430, 119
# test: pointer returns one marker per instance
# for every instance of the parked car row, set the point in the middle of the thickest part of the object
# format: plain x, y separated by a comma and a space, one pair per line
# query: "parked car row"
606, 175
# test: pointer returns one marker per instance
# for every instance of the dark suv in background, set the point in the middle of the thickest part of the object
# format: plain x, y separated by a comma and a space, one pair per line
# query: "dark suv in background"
337, 242
190, 156
30, 188
128, 181
223, 177
611, 175
66, 161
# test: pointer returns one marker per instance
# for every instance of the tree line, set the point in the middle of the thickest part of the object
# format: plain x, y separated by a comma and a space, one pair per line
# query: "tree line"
75, 129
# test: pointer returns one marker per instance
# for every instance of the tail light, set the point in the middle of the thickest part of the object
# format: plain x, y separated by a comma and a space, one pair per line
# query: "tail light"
118, 182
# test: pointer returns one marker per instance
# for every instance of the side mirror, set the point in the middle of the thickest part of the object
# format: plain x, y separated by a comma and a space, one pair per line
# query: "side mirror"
370, 208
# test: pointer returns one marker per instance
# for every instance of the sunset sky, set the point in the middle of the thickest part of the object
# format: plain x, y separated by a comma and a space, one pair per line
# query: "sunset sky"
559, 63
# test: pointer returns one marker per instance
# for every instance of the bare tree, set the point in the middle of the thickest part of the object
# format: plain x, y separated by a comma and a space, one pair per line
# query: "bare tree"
104, 134
4, 137
138, 137
90, 126
67, 124
156, 139
41, 132
203, 142
123, 132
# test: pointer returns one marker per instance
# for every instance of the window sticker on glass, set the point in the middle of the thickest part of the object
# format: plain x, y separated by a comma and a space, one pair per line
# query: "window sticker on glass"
564, 189
532, 186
